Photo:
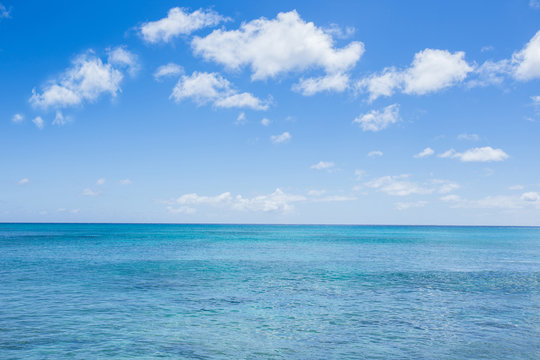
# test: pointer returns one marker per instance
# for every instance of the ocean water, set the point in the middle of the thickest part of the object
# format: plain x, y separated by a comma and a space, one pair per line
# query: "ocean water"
96, 291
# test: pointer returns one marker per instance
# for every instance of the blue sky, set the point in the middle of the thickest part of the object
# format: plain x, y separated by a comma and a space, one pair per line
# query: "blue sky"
360, 112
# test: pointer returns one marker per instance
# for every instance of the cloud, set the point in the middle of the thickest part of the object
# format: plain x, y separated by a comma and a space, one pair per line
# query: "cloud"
527, 61
168, 70
530, 196
122, 58
275, 202
425, 153
38, 121
178, 22
377, 120
265, 122
84, 81
213, 88
101, 181
494, 201
241, 119
59, 119
23, 181
400, 185
481, 154
323, 165
397, 186
375, 153
281, 45
334, 82
90, 192
278, 201
470, 137
125, 182
4, 13
408, 205
516, 187
278, 139
431, 70
535, 4
17, 118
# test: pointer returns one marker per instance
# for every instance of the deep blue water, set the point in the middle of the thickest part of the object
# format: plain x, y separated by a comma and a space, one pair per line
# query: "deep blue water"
268, 292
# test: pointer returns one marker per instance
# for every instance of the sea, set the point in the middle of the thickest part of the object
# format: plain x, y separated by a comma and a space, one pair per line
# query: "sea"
148, 291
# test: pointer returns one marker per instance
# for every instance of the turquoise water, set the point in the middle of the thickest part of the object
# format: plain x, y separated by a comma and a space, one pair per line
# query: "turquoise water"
268, 292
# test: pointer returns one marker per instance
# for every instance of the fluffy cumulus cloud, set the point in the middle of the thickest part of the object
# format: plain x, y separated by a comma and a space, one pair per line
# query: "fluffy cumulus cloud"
334, 82
401, 185
213, 88
479, 154
527, 61
271, 47
277, 201
168, 70
377, 120
281, 138
178, 22
323, 165
430, 71
530, 196
87, 79
425, 153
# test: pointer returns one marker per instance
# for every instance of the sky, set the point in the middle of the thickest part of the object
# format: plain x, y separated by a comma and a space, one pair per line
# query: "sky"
343, 112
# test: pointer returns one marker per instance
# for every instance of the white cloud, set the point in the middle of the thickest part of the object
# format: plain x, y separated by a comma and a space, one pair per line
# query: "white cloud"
125, 182
375, 153
488, 202
536, 99
178, 22
17, 118
241, 119
90, 192
481, 154
359, 174
470, 137
527, 60
281, 138
84, 81
278, 201
430, 71
516, 187
38, 121
530, 196
400, 185
265, 122
286, 43
491, 73
23, 181
409, 205
425, 153
334, 82
377, 120
4, 13
213, 88
101, 181
397, 186
323, 165
59, 119
122, 58
168, 70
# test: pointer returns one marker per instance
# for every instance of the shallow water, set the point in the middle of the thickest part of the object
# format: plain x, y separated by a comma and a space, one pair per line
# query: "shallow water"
268, 292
